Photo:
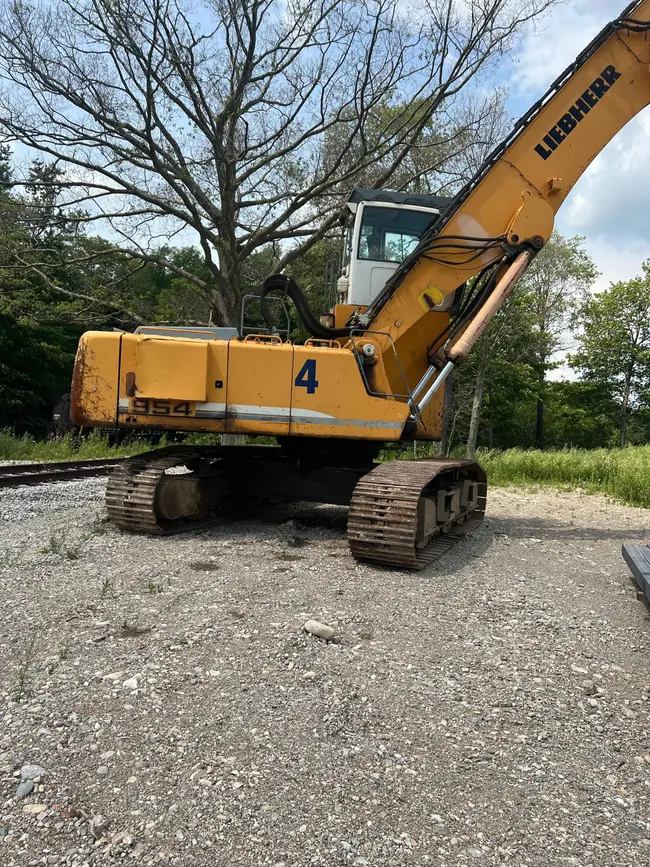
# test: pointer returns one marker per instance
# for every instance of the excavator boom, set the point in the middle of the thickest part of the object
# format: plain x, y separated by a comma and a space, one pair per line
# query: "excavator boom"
509, 206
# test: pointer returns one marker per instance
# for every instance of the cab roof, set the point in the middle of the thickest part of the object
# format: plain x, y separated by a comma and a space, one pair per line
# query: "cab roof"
422, 200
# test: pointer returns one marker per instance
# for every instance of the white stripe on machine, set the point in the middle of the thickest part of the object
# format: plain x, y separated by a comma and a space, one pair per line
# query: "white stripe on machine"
273, 415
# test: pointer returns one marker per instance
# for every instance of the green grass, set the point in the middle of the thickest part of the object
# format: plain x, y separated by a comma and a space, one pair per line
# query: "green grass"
68, 448
74, 448
620, 473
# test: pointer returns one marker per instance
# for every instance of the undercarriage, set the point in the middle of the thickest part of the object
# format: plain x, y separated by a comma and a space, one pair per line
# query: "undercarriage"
401, 513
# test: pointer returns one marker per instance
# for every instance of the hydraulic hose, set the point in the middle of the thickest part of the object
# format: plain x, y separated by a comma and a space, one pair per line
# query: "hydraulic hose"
295, 291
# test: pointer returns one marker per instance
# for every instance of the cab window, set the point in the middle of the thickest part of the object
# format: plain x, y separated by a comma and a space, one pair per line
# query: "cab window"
390, 234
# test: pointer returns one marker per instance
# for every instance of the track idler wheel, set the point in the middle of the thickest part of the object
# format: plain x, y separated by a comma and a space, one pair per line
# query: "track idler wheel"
143, 497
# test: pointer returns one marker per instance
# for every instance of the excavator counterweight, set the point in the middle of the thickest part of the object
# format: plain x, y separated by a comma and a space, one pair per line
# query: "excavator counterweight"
421, 279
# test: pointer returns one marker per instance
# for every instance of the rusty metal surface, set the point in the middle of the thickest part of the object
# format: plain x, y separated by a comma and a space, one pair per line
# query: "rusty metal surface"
14, 475
90, 386
382, 522
76, 409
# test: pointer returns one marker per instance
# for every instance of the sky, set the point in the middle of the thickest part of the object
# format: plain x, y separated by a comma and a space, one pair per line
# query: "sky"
610, 206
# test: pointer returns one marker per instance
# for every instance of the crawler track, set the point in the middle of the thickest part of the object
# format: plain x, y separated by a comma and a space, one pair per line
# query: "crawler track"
14, 475
383, 513
131, 490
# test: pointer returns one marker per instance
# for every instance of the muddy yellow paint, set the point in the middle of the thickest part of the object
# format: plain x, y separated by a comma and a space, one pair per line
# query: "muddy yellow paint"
94, 391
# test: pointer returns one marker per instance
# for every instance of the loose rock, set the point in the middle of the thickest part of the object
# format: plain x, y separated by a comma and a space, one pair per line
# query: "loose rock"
32, 772
98, 826
123, 838
321, 630
24, 789
34, 809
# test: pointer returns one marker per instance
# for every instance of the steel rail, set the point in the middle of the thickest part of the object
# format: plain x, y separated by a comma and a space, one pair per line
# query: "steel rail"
15, 475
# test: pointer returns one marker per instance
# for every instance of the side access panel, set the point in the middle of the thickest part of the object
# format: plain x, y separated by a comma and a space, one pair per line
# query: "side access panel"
259, 388
329, 399
171, 369
171, 383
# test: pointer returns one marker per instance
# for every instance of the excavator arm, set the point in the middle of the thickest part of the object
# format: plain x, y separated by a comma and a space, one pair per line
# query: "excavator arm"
506, 213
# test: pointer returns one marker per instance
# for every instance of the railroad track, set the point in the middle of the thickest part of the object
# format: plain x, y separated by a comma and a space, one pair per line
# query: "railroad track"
14, 475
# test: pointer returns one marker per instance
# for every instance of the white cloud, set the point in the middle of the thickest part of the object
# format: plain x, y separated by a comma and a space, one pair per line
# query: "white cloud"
611, 202
615, 260
548, 48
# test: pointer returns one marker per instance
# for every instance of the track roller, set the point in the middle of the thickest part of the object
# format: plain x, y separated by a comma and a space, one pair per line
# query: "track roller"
142, 497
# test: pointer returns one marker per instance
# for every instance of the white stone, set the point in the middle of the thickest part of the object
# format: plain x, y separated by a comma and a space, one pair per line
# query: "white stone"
32, 772
34, 809
320, 630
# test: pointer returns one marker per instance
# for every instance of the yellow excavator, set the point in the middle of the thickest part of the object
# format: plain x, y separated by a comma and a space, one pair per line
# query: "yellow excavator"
421, 279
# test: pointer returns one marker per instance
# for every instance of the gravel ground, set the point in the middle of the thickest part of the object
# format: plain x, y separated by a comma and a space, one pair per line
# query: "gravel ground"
162, 705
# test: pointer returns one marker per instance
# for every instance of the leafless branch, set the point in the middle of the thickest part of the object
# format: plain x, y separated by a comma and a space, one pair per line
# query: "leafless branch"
245, 121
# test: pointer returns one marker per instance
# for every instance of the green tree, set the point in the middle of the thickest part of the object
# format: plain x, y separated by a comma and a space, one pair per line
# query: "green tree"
615, 344
56, 282
35, 366
500, 365
500, 392
553, 289
580, 414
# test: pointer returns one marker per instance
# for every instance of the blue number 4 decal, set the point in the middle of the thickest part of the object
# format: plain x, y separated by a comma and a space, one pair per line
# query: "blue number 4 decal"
307, 376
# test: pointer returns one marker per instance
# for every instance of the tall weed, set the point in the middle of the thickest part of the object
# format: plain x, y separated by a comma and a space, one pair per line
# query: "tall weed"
67, 448
620, 473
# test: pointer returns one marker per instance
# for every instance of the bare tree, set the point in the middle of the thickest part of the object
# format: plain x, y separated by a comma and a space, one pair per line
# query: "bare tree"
236, 123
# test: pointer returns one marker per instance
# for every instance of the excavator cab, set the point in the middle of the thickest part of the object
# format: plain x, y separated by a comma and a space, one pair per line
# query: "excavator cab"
381, 228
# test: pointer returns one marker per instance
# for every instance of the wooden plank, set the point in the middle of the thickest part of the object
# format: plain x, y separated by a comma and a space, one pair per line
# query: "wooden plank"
637, 558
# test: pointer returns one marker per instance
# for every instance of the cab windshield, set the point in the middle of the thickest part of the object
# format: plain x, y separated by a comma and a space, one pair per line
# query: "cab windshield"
390, 234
